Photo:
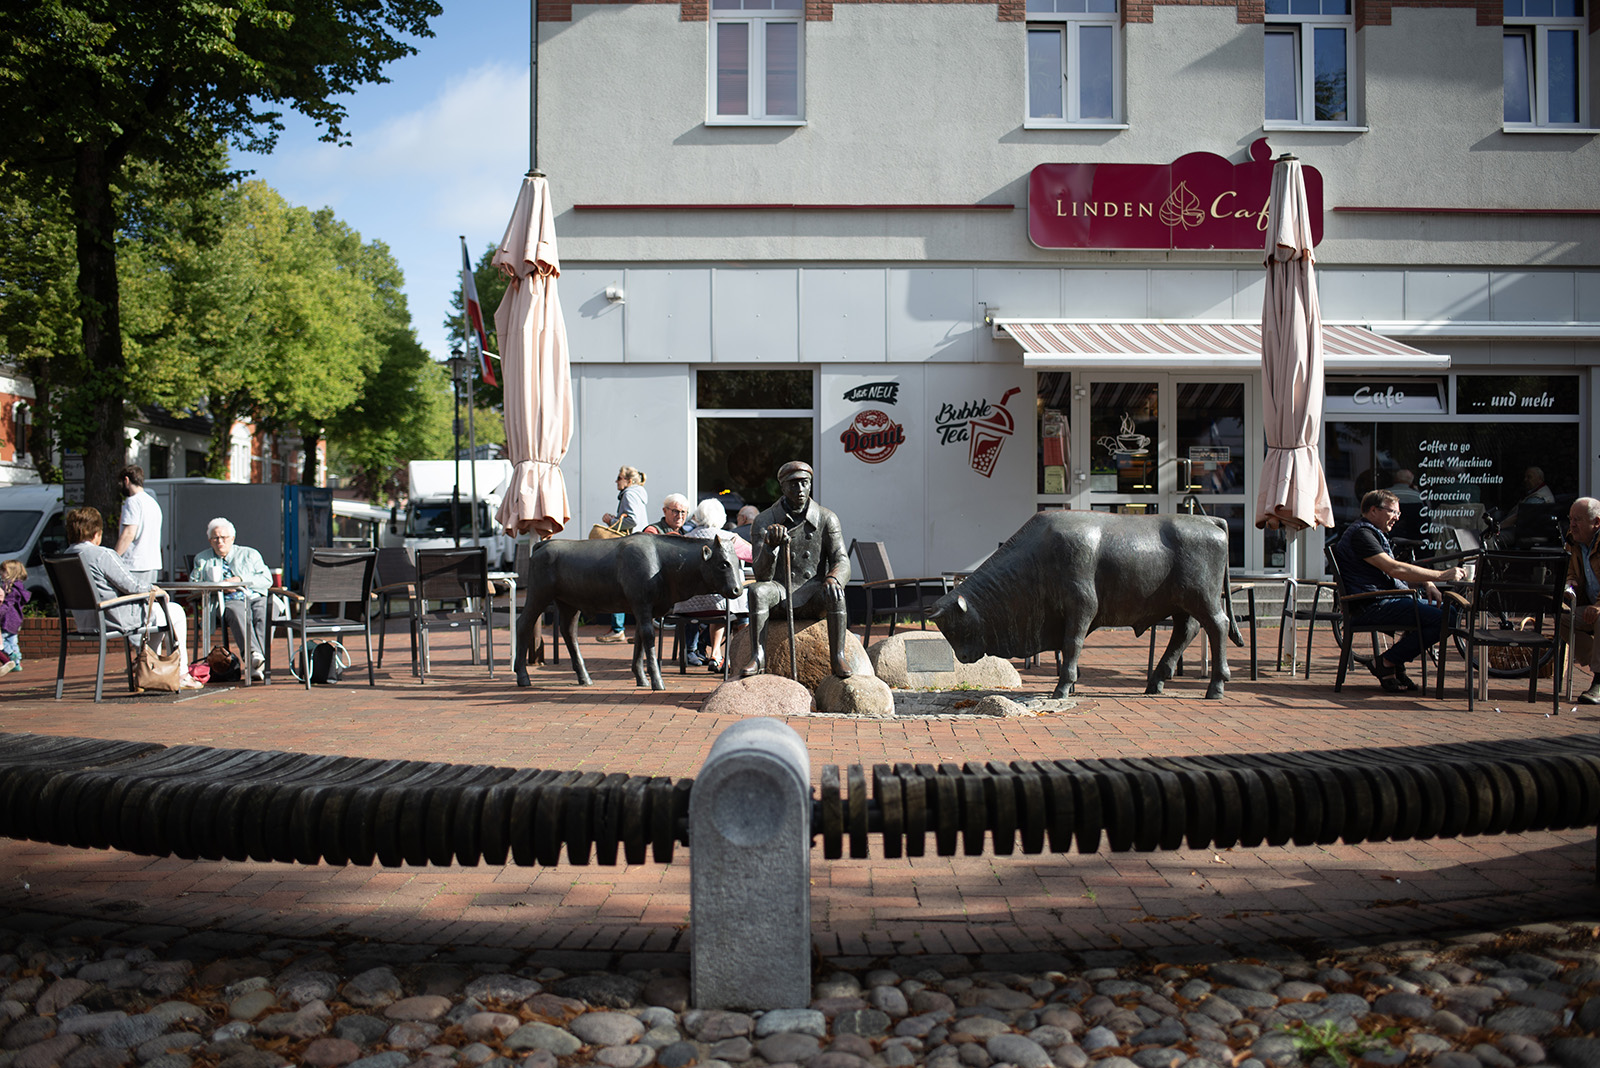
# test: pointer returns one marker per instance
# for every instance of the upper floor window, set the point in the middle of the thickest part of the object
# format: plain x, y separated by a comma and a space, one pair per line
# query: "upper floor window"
757, 60
1546, 48
1074, 62
1309, 62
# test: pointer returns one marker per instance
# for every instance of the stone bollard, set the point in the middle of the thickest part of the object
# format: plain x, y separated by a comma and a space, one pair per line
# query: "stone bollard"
750, 871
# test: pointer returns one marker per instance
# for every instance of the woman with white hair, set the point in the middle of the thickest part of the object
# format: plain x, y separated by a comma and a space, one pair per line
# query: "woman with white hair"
709, 520
237, 565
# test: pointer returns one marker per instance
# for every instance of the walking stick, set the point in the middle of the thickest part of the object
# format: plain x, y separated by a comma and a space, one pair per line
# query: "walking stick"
788, 602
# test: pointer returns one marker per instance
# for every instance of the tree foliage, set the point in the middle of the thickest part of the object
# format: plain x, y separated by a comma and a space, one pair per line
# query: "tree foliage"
88, 87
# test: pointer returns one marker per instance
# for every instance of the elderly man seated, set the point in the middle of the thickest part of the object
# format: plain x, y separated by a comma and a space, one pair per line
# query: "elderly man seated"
1583, 580
237, 565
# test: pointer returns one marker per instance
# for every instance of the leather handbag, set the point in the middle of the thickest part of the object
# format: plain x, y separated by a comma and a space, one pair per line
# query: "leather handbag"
154, 671
222, 666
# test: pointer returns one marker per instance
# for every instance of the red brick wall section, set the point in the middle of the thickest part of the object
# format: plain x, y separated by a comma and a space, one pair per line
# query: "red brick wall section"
1376, 12
816, 10
1368, 12
40, 642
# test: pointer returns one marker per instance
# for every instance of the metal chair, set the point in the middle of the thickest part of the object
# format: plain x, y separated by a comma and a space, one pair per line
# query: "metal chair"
1294, 614
458, 577
1350, 605
395, 576
1516, 603
887, 595
75, 593
339, 582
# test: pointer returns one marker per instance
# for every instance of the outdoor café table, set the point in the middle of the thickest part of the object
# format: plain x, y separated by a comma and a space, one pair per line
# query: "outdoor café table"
204, 592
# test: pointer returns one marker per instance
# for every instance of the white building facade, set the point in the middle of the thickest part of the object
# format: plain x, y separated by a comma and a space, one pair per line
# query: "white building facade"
987, 258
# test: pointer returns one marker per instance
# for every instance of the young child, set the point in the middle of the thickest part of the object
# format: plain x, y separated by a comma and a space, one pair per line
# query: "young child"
13, 595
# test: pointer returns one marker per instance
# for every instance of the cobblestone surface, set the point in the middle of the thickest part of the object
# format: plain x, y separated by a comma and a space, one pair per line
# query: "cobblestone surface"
84, 995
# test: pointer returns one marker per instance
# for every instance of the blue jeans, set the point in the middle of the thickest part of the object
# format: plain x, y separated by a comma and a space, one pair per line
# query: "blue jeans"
9, 644
1398, 610
616, 622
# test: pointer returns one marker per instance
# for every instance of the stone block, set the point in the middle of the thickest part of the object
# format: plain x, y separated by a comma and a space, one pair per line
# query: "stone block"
859, 695
772, 696
917, 660
750, 871
811, 650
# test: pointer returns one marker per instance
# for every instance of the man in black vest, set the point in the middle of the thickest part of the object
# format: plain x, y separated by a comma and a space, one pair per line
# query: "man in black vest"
821, 566
1367, 563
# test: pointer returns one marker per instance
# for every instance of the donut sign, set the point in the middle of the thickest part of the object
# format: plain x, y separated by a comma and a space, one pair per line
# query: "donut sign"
872, 436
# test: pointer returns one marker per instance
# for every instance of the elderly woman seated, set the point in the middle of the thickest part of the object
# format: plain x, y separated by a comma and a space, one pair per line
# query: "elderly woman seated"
238, 565
110, 578
708, 520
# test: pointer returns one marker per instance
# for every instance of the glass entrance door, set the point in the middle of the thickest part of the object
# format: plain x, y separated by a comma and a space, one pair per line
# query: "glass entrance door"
1165, 443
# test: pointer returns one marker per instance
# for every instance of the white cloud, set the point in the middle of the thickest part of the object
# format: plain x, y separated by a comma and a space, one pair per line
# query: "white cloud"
419, 178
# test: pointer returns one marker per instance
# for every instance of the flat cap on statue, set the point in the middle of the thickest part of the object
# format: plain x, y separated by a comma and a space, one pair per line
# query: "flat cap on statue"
795, 467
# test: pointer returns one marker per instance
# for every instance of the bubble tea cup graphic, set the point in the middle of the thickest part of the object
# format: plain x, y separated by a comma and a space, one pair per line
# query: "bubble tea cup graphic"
989, 433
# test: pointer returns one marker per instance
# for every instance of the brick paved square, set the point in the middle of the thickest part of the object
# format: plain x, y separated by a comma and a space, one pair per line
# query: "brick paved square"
923, 905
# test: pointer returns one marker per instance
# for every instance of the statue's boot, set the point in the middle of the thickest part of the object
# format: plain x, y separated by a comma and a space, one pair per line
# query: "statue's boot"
757, 665
841, 665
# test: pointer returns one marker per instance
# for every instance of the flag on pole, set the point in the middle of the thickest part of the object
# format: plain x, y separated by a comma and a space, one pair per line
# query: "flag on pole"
469, 300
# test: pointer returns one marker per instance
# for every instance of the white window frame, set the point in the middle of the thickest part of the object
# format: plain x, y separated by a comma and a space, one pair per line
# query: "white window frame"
756, 22
1068, 25
1535, 30
1303, 27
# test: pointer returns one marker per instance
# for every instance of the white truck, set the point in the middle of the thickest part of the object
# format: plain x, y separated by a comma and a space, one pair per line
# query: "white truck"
283, 522
430, 516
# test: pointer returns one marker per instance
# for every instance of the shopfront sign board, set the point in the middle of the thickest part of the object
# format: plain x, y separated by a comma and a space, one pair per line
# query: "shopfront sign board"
1198, 201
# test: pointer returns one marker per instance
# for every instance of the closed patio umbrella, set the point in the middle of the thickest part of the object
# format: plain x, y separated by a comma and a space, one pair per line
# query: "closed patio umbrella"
1294, 492
535, 366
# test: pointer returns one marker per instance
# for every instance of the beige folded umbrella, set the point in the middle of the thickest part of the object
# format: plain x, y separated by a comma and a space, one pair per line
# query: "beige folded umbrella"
1293, 492
537, 374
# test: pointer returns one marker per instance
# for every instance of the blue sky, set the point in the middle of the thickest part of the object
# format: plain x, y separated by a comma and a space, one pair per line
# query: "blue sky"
438, 152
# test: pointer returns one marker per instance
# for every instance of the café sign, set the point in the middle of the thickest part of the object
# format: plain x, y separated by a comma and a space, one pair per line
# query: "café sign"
1198, 201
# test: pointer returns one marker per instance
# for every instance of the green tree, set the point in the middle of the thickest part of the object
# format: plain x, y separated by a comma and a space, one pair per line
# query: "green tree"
491, 290
275, 322
39, 326
402, 412
87, 86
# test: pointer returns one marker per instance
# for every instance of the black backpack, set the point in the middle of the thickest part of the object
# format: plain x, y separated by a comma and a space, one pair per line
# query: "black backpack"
328, 661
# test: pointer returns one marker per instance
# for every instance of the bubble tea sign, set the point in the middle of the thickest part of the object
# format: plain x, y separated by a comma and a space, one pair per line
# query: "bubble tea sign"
1198, 201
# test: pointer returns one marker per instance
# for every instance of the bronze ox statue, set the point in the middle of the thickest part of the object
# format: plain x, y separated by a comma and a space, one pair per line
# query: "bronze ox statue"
1065, 574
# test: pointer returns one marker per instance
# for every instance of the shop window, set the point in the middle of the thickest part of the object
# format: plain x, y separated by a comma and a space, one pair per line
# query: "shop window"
1545, 53
1309, 63
1456, 470
1054, 405
1074, 62
749, 424
757, 61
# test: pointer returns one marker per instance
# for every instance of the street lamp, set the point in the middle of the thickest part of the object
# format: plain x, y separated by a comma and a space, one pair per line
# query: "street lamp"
458, 375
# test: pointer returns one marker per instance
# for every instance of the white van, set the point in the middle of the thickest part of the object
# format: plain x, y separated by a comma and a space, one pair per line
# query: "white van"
31, 528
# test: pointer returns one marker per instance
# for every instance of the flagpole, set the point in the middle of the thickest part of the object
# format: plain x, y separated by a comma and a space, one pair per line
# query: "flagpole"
472, 433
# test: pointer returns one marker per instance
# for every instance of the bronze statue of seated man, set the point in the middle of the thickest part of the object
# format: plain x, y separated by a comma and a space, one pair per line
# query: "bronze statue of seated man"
800, 548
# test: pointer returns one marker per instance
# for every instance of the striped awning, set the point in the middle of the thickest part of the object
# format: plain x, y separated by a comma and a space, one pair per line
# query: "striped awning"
1196, 345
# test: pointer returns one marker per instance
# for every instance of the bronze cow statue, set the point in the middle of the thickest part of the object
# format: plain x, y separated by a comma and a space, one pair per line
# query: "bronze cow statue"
645, 574
1066, 574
